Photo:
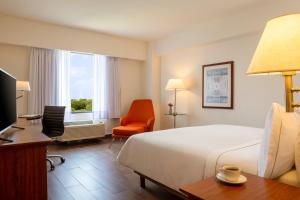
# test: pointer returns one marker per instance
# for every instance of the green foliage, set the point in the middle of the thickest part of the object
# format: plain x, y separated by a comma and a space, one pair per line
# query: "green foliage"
81, 105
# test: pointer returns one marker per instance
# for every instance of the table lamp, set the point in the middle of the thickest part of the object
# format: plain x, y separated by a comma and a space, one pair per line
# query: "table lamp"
23, 86
278, 51
175, 84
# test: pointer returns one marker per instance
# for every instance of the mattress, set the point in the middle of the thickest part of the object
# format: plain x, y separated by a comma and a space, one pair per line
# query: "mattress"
179, 156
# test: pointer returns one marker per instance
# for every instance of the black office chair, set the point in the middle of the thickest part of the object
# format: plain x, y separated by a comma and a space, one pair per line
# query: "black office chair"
53, 126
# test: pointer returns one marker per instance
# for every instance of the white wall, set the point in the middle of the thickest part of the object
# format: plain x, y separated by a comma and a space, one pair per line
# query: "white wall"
231, 37
25, 32
152, 82
247, 21
132, 80
253, 95
15, 60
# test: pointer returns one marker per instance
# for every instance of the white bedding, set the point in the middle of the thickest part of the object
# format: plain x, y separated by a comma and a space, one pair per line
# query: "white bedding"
179, 156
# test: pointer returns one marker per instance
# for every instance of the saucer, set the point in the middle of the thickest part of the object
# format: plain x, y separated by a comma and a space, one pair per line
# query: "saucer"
242, 179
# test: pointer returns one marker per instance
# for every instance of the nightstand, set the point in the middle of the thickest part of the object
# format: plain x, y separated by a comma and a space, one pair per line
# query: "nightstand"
255, 188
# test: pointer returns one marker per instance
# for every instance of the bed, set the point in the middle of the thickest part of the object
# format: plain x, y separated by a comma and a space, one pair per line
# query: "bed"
179, 156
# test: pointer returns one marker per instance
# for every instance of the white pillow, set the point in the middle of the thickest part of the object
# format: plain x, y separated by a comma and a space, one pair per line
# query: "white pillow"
297, 154
277, 153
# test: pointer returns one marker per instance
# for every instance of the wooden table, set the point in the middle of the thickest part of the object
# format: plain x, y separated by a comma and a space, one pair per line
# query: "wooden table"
23, 170
256, 188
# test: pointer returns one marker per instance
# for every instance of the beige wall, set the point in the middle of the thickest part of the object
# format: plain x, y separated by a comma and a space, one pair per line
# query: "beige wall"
231, 37
132, 82
152, 82
248, 20
253, 94
15, 60
25, 32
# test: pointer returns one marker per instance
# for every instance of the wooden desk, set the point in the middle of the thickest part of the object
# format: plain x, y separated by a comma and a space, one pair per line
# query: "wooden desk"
23, 168
255, 188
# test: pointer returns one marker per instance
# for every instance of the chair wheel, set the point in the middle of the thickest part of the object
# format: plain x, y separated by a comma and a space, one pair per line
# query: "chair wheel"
62, 160
52, 167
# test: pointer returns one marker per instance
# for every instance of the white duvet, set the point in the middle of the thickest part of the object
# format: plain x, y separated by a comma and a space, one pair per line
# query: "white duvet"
179, 156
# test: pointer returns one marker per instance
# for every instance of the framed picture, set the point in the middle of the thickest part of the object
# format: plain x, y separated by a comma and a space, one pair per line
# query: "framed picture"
217, 85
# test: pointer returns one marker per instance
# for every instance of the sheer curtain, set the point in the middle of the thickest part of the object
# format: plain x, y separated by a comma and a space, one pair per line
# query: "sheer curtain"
99, 104
63, 97
106, 102
112, 92
106, 86
43, 79
50, 73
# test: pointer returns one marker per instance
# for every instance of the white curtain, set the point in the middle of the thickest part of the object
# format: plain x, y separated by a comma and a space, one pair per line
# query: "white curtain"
43, 79
106, 102
112, 93
50, 82
99, 104
63, 80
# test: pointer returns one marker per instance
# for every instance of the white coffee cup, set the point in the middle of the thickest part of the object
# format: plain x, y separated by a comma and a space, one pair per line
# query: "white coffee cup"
230, 172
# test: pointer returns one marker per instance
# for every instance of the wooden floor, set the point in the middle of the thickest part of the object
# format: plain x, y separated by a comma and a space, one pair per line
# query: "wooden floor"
91, 172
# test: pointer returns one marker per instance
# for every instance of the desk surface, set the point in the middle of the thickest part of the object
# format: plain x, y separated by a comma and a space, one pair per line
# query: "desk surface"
255, 188
30, 135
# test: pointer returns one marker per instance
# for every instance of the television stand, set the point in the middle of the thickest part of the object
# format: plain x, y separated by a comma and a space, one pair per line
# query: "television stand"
6, 140
18, 127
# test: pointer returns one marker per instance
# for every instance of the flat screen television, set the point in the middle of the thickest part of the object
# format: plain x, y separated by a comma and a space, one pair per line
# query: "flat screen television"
8, 110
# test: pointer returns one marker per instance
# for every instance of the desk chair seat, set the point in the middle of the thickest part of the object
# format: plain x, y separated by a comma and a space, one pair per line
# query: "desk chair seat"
53, 126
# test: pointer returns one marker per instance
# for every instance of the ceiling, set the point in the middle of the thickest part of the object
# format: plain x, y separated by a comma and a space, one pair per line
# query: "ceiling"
141, 19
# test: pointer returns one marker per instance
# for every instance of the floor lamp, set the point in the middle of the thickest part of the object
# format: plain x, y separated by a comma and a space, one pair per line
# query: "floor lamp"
278, 51
175, 85
22, 86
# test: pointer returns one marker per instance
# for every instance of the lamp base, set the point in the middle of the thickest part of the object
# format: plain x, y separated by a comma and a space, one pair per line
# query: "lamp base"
288, 78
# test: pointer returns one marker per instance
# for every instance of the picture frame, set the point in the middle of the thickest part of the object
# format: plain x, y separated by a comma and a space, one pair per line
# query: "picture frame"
218, 85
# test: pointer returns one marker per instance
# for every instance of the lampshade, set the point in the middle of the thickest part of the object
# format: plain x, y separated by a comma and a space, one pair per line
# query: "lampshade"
279, 47
175, 84
23, 86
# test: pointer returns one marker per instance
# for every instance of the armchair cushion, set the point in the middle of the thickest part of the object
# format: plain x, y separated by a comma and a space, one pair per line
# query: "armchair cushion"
138, 124
130, 129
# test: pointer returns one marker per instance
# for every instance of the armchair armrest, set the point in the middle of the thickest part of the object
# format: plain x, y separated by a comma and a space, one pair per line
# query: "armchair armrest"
150, 123
123, 120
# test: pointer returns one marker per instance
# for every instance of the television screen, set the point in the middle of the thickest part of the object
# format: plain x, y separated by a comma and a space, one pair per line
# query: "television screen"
8, 113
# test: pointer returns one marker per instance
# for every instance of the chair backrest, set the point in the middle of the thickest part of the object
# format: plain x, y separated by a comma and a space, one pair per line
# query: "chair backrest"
141, 110
53, 121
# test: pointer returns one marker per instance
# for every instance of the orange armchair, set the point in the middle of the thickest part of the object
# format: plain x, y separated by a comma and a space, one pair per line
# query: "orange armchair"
139, 119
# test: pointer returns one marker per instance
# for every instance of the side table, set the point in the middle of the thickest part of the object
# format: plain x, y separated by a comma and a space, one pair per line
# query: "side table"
255, 188
174, 117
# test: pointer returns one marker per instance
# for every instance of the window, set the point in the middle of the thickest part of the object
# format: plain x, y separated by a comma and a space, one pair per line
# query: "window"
83, 87
81, 82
